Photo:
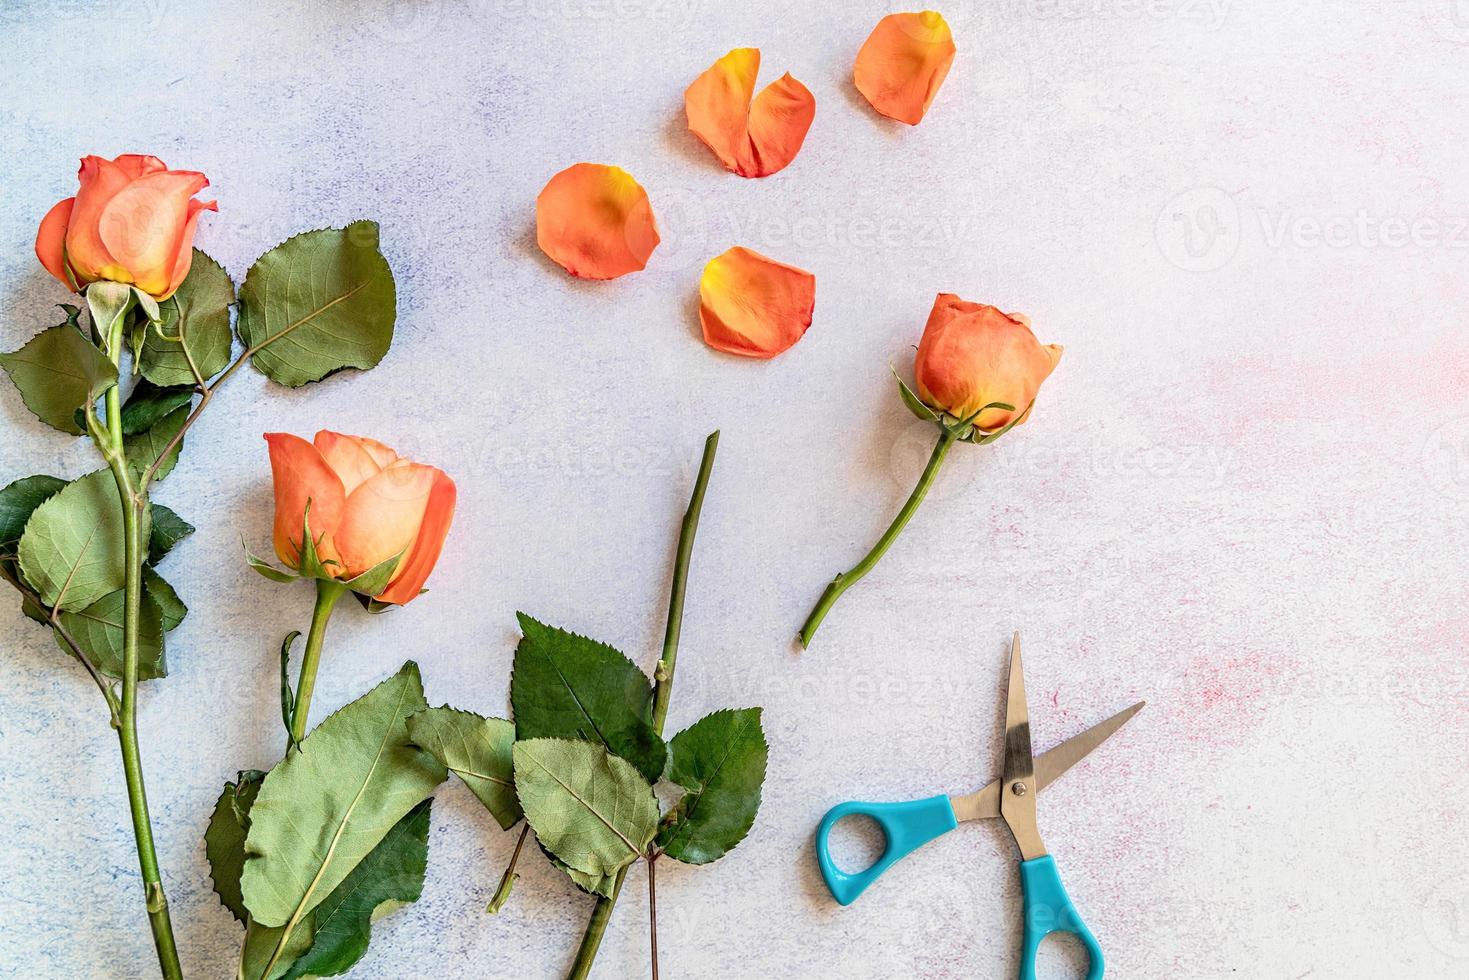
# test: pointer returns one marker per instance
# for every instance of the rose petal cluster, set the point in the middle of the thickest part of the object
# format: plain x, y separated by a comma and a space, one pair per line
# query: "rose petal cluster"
132, 221
972, 355
595, 221
367, 505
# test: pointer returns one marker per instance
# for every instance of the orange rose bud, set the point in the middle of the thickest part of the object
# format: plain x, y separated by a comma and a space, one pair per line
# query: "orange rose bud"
754, 306
132, 221
972, 355
595, 222
903, 62
752, 138
368, 505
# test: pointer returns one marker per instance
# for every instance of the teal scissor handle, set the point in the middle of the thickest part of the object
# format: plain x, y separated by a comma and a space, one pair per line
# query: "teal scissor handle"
1048, 909
907, 827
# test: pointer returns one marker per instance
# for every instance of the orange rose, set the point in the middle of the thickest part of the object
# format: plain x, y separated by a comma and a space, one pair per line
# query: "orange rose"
132, 221
368, 505
973, 355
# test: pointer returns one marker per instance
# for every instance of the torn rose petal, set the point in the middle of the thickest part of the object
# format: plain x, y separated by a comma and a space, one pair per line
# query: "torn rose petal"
903, 62
753, 139
754, 306
595, 222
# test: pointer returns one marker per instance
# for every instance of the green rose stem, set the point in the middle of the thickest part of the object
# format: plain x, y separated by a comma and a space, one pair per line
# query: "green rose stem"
327, 594
847, 579
134, 509
662, 690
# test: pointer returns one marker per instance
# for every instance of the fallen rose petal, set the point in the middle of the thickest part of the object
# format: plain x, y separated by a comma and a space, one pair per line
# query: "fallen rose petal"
903, 62
753, 139
595, 222
754, 306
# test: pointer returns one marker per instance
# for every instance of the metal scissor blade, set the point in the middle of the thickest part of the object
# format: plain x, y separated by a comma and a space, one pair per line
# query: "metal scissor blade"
1018, 761
1048, 767
1017, 801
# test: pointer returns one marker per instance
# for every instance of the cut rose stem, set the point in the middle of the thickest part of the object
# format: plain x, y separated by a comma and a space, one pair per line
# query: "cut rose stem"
847, 579
662, 690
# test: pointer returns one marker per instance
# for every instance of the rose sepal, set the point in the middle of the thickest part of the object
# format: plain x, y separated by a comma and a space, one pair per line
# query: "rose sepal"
369, 584
915, 404
963, 430
110, 303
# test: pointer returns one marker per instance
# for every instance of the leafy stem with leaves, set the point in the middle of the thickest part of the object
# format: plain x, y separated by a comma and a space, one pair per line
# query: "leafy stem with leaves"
82, 558
134, 510
662, 691
586, 749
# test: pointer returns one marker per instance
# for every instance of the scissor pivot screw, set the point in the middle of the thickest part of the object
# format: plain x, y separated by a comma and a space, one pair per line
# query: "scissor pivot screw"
1018, 788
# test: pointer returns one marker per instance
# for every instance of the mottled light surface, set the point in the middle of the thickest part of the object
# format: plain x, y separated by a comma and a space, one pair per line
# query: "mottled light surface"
1242, 496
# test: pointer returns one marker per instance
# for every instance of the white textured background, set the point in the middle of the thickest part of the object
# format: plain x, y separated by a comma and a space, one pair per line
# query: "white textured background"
1242, 495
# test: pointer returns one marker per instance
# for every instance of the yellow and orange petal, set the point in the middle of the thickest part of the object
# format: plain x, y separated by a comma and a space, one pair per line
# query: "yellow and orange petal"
51, 241
100, 181
903, 62
754, 306
354, 459
185, 257
301, 475
144, 224
753, 136
414, 570
595, 222
382, 516
973, 355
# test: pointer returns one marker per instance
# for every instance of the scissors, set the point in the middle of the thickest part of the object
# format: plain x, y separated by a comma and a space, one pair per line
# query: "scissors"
1012, 797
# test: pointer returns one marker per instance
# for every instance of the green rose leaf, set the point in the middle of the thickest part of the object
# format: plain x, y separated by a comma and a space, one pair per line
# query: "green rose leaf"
330, 802
72, 550
147, 403
168, 530
59, 372
318, 303
567, 686
266, 957
600, 885
720, 760
146, 447
170, 607
390, 876
197, 317
18, 502
477, 750
591, 809
224, 841
97, 629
